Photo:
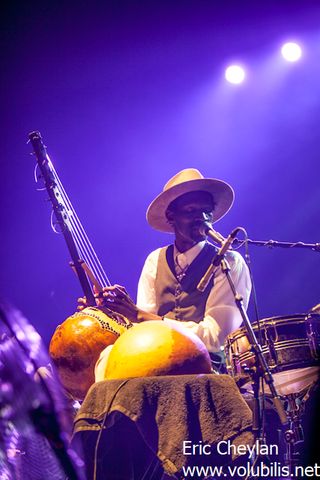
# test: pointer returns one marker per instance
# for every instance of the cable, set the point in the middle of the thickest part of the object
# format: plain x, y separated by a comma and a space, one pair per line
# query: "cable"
122, 384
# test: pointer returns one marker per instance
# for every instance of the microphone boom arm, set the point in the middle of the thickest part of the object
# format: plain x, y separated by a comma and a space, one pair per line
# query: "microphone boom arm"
274, 243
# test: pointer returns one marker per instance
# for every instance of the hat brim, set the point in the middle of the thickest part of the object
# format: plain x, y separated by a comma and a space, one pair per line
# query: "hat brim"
222, 193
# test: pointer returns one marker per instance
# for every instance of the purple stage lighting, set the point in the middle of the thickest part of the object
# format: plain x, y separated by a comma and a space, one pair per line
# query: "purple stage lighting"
235, 74
291, 51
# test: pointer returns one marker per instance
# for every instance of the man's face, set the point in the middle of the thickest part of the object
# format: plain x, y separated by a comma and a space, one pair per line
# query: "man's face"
188, 213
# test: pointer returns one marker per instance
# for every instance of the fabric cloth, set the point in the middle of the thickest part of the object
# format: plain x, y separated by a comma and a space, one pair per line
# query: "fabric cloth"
164, 412
221, 315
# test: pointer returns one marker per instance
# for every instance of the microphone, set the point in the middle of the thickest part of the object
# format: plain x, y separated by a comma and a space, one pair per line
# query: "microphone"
202, 285
206, 229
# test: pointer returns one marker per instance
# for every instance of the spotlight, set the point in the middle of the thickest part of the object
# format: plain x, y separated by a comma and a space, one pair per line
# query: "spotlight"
235, 74
291, 51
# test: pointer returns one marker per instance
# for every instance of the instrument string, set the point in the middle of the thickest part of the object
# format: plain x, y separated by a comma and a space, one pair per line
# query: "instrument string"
78, 237
81, 239
85, 247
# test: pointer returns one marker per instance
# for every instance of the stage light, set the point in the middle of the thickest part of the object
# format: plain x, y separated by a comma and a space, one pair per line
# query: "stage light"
291, 51
235, 74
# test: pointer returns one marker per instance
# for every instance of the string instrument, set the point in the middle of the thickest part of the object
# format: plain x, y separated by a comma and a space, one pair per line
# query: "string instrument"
151, 348
77, 343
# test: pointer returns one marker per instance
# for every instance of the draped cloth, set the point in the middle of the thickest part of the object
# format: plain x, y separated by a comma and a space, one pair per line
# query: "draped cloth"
136, 428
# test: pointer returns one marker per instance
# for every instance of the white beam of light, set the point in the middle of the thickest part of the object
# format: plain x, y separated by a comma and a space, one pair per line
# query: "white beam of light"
235, 74
291, 52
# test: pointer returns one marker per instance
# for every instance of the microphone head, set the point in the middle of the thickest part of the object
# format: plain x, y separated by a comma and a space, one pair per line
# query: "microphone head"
204, 228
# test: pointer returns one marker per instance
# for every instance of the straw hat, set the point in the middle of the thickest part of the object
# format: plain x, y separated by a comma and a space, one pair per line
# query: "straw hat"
189, 180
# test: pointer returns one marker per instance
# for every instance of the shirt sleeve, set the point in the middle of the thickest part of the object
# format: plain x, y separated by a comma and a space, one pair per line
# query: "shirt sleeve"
146, 296
221, 315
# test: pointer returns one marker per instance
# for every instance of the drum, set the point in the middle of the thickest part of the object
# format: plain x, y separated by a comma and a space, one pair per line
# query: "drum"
291, 347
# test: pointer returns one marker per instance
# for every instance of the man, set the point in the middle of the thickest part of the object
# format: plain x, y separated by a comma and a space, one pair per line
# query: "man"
167, 287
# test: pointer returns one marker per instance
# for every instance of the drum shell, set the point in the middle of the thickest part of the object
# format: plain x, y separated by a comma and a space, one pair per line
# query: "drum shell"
288, 343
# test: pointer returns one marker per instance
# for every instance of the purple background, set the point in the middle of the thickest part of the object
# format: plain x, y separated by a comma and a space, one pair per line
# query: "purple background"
126, 95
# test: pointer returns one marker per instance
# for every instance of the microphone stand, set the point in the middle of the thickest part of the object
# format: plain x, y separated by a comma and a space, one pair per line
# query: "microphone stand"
275, 243
262, 370
263, 367
292, 435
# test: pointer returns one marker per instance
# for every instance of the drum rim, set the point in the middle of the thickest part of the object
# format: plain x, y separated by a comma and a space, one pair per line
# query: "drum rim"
273, 321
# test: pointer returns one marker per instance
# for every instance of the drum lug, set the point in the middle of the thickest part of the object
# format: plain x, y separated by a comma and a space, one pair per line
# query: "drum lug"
312, 338
249, 370
271, 342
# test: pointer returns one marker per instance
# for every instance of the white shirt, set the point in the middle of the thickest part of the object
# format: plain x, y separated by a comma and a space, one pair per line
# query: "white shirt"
221, 315
183, 260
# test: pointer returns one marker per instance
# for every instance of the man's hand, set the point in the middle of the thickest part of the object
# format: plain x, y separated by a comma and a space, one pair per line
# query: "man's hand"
82, 301
81, 304
117, 299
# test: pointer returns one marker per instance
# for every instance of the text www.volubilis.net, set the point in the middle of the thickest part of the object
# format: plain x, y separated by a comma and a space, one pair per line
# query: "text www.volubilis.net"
273, 470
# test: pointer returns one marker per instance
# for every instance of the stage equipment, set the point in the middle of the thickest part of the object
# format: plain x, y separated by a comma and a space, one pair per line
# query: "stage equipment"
216, 261
262, 365
235, 74
73, 353
285, 360
291, 346
207, 229
276, 244
155, 348
35, 421
291, 51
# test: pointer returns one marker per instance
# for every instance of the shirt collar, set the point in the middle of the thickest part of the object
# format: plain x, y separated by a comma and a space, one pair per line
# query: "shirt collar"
192, 253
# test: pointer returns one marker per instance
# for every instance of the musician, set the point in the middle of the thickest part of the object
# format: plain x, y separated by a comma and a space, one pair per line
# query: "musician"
167, 288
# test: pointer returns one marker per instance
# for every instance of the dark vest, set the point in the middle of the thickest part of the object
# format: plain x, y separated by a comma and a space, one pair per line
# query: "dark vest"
182, 300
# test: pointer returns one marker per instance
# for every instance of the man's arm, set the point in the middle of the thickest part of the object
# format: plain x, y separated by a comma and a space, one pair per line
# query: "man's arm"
116, 297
